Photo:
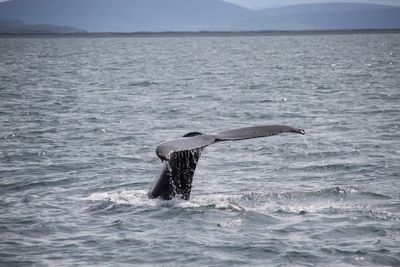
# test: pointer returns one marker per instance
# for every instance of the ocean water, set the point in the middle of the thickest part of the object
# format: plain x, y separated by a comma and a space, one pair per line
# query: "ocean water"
80, 119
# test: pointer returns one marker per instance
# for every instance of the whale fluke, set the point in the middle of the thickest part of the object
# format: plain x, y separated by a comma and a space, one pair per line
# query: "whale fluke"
165, 149
255, 132
182, 154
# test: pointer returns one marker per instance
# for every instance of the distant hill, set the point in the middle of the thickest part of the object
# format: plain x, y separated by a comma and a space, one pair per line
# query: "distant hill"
327, 16
196, 15
18, 27
126, 15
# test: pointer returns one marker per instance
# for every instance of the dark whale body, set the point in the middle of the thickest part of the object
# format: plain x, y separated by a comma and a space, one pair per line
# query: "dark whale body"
182, 154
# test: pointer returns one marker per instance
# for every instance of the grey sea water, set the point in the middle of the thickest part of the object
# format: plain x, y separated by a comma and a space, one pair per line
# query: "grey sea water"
80, 119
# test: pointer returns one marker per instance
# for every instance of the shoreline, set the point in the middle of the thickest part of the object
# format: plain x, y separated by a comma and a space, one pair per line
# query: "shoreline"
200, 33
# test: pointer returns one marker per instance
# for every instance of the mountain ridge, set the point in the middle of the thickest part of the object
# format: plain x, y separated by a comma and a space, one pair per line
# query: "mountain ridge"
19, 27
197, 15
328, 16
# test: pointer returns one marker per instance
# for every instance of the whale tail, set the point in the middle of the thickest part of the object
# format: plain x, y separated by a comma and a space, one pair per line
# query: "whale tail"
182, 154
176, 177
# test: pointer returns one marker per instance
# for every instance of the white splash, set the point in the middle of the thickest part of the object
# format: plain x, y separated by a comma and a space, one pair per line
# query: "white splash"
130, 197
140, 198
265, 204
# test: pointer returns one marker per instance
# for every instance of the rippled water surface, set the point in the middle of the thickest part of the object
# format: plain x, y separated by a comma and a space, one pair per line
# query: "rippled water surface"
80, 119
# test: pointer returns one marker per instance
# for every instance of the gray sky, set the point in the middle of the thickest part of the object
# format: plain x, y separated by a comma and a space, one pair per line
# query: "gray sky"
274, 3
